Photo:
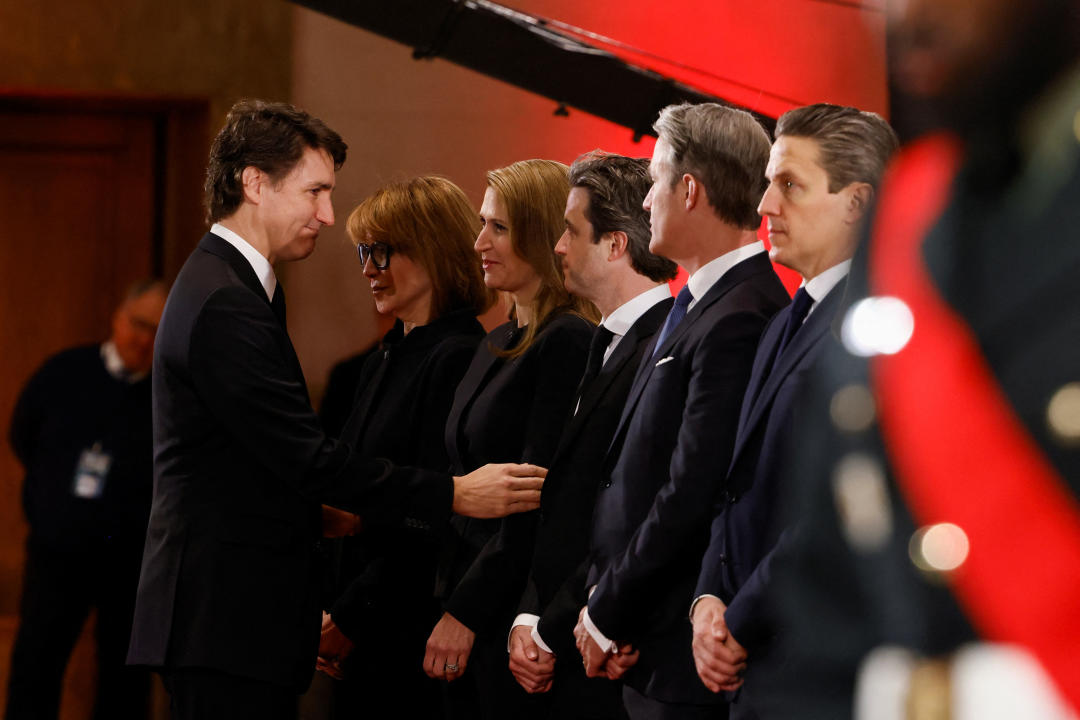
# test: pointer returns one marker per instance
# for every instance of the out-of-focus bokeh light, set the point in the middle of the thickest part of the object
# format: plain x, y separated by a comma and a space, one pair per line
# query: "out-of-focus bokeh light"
862, 501
939, 548
880, 325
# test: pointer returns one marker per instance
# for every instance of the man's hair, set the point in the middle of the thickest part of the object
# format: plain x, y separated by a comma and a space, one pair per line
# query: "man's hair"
140, 287
725, 149
616, 186
429, 220
269, 136
853, 145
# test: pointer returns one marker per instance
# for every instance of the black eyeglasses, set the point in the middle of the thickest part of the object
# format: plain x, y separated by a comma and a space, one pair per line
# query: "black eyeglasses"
377, 251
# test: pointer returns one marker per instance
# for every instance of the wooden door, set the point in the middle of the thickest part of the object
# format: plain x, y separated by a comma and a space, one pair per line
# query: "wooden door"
80, 216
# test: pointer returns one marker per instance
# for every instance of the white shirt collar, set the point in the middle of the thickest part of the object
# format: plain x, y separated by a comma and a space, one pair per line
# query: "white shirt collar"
114, 364
624, 316
708, 274
263, 270
820, 285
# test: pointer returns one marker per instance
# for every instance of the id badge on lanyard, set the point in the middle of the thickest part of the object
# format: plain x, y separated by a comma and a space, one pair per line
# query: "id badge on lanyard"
91, 472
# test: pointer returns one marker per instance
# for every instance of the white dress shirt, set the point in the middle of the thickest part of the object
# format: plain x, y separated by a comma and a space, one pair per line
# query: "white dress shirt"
819, 286
263, 270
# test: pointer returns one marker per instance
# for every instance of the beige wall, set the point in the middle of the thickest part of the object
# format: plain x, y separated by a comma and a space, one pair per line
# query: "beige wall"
215, 49
402, 118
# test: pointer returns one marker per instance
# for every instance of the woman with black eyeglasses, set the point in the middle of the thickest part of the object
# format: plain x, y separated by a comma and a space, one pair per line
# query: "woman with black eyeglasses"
414, 240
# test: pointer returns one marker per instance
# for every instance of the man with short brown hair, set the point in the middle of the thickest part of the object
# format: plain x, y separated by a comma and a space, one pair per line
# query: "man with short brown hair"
228, 605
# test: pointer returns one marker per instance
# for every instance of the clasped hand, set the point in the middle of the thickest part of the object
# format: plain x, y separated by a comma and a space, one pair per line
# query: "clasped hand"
719, 658
532, 666
599, 662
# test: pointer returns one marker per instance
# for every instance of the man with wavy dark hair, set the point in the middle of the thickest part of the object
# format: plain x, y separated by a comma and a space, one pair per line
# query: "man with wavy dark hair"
227, 605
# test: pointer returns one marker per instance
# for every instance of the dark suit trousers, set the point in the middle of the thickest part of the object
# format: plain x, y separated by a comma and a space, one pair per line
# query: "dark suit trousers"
203, 694
59, 589
642, 707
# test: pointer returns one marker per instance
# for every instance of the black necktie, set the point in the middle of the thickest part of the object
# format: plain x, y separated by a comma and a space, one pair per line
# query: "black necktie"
675, 316
800, 306
600, 340
278, 304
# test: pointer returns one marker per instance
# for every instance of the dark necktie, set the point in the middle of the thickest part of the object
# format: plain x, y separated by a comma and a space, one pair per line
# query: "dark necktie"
800, 306
675, 316
600, 340
278, 304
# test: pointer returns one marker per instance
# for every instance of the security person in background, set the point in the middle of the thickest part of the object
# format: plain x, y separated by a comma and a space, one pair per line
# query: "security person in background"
81, 428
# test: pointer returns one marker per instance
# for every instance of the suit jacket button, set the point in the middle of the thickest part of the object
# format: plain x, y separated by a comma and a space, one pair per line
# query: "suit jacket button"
607, 484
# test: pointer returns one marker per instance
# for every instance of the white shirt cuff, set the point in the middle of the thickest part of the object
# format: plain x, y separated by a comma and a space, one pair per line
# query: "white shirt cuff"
528, 620
697, 599
606, 645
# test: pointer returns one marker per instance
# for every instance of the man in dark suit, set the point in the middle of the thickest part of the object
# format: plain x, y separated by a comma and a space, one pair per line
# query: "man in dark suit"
81, 428
227, 605
823, 170
678, 426
606, 259
938, 564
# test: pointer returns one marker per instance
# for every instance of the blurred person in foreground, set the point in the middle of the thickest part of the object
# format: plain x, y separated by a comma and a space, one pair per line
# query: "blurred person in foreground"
509, 407
228, 600
605, 259
940, 575
414, 239
81, 429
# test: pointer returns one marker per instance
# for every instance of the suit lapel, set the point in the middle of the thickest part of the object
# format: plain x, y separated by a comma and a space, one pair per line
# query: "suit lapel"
738, 274
808, 335
641, 331
223, 249
484, 363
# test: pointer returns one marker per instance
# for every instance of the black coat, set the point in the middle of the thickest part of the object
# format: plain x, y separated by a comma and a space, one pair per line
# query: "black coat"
229, 578
404, 395
506, 411
667, 462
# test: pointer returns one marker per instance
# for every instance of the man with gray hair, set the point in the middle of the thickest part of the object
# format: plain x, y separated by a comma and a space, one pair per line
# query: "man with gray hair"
678, 425
823, 171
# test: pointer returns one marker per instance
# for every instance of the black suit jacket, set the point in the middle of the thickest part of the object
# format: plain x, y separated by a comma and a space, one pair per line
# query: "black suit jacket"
506, 411
229, 579
556, 586
672, 444
746, 526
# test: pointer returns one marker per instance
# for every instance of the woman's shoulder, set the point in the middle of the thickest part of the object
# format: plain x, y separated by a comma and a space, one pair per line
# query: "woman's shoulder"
567, 325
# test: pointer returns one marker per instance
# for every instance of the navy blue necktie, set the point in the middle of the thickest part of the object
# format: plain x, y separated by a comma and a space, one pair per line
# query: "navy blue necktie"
675, 316
800, 306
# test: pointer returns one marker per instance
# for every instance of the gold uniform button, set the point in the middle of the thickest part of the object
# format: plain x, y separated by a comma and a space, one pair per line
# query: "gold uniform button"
1063, 413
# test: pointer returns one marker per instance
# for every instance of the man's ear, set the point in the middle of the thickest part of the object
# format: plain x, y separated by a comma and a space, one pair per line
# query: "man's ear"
694, 191
619, 244
860, 195
253, 180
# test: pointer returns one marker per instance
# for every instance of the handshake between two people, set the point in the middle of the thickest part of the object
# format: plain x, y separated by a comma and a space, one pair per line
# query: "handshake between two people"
494, 490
